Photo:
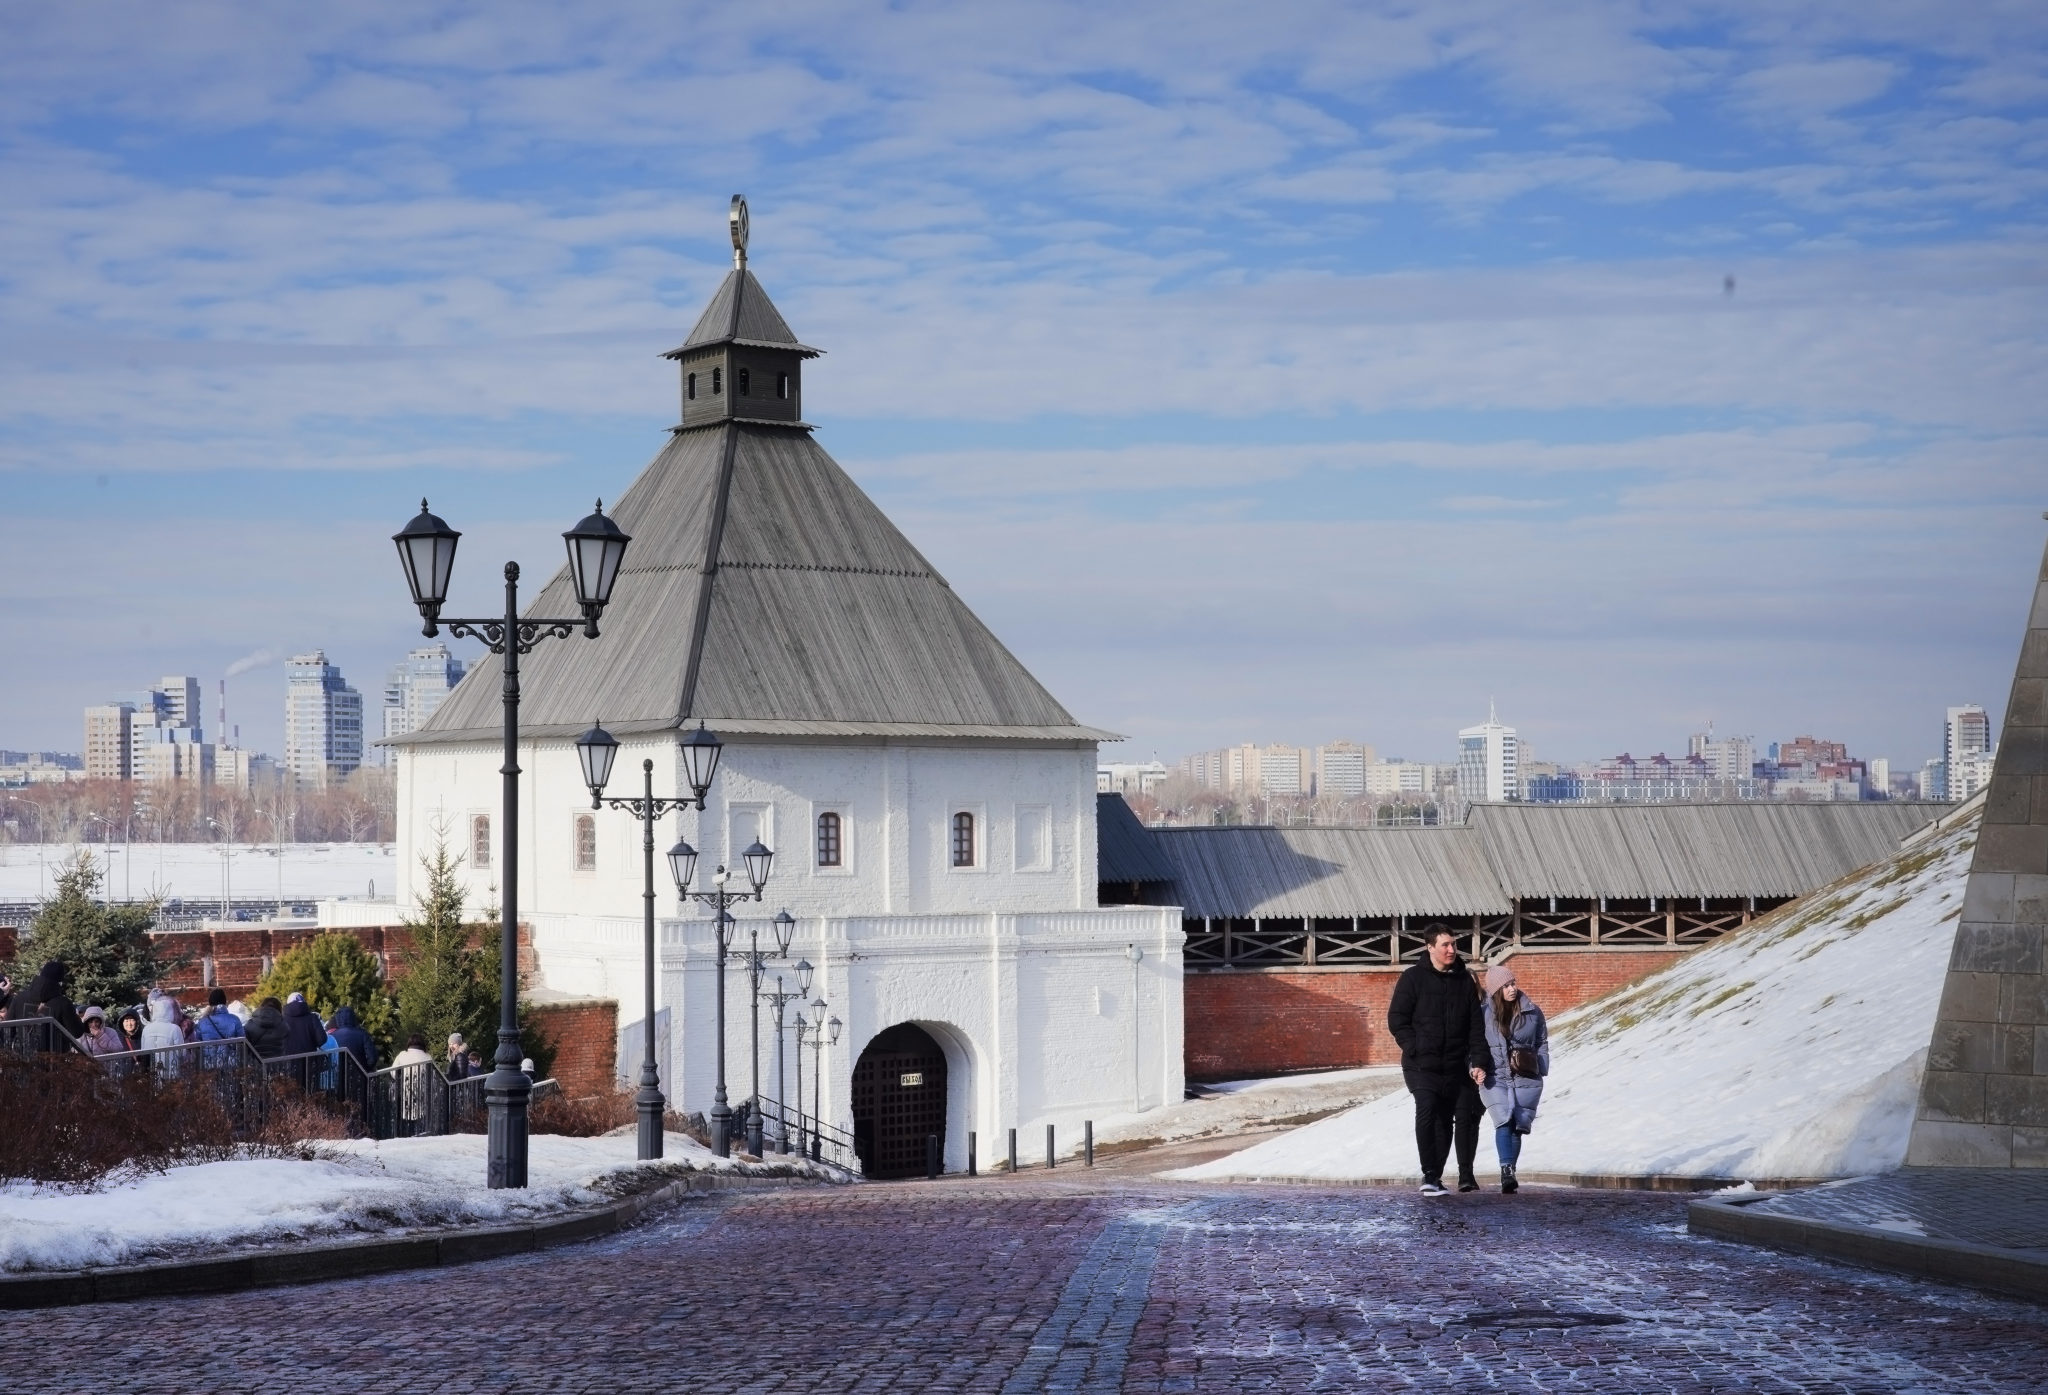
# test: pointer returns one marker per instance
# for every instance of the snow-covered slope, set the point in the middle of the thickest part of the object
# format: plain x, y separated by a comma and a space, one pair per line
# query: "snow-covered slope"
1792, 1049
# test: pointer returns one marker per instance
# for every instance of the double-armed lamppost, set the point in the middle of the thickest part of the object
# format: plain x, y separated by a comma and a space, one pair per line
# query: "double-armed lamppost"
682, 861
596, 750
782, 999
820, 1028
426, 547
757, 961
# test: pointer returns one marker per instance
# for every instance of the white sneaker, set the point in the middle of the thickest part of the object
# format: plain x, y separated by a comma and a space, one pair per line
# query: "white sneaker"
1434, 1189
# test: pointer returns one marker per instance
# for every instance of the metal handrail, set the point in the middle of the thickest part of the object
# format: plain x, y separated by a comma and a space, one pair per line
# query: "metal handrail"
25, 1036
823, 1142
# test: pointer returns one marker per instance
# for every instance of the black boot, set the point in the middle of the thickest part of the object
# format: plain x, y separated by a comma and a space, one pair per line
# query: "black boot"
1467, 1182
1508, 1184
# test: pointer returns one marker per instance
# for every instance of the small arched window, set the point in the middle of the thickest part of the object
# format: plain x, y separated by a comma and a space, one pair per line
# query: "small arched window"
480, 842
690, 387
782, 386
830, 845
745, 379
586, 842
963, 839
717, 383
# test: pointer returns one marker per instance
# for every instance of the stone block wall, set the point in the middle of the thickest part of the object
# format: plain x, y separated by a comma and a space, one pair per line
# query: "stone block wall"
1245, 1023
1984, 1098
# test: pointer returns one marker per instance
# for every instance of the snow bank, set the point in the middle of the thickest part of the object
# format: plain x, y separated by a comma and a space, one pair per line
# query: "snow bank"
1792, 1049
359, 1186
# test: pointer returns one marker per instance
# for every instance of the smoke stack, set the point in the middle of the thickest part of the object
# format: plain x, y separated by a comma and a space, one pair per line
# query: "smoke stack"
224, 710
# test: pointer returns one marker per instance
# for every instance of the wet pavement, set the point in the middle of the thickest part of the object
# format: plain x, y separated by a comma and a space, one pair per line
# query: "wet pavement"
1103, 1280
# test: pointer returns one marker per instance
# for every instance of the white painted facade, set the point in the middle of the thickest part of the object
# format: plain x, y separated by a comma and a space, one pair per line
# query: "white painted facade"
1029, 986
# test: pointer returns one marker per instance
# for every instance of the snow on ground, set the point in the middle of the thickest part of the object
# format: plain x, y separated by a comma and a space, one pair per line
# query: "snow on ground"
199, 872
1239, 1106
354, 1187
1792, 1049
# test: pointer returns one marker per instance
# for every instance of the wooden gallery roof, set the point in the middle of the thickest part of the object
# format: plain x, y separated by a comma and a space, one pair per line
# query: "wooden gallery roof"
766, 594
1511, 852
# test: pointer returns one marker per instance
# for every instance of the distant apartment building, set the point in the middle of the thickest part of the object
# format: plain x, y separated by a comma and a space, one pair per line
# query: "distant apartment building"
22, 768
1931, 780
323, 722
177, 700
1725, 758
1398, 777
234, 768
1251, 769
412, 691
1340, 769
1120, 778
109, 732
1489, 764
1966, 751
1285, 770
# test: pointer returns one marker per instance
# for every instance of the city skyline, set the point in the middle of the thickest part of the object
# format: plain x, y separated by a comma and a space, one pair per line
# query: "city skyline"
1638, 369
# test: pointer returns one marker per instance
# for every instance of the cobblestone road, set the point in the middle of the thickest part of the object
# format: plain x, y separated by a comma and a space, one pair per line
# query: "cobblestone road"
1078, 1282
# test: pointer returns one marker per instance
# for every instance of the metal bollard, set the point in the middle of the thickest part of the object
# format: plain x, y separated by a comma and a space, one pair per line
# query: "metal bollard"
1013, 1152
1048, 1148
970, 1154
931, 1156
1088, 1140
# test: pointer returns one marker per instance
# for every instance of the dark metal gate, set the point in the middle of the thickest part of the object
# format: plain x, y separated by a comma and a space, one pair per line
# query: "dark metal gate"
899, 1100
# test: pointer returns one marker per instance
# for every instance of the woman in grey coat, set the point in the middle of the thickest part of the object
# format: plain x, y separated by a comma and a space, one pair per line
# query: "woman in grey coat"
1517, 1035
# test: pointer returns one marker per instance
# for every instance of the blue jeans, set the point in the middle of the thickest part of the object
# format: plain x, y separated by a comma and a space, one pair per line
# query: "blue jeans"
1508, 1144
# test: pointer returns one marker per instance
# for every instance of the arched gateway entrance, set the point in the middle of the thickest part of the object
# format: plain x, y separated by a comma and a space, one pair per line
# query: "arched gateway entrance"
899, 1100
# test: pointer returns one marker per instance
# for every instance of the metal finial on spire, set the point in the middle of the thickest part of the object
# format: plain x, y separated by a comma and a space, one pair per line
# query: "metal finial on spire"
736, 219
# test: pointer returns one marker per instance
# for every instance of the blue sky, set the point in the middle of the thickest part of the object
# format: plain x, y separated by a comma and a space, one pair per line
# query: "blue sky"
1257, 373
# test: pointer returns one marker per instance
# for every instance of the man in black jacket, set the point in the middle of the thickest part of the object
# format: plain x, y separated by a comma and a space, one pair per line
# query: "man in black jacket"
1435, 1015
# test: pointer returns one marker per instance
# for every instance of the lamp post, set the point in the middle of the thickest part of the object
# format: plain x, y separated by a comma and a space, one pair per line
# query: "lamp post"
757, 960
781, 1000
700, 760
596, 750
227, 875
426, 549
822, 1028
277, 840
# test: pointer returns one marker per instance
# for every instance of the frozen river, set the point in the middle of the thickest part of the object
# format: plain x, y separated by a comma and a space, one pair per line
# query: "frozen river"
200, 871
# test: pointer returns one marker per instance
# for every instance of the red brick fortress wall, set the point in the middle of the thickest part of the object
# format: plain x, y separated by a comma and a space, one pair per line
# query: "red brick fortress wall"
1252, 1022
585, 1033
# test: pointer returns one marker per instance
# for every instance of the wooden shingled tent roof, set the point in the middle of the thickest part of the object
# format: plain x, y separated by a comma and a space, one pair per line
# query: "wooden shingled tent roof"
764, 593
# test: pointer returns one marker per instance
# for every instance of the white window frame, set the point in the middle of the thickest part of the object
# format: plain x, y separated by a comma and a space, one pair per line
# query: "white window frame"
979, 812
845, 867
490, 841
576, 866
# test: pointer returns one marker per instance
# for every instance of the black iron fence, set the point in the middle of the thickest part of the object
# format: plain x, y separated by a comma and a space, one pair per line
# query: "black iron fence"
410, 1101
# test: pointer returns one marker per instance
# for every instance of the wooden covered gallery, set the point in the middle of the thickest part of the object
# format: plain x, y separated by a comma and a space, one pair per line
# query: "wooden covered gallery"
1295, 935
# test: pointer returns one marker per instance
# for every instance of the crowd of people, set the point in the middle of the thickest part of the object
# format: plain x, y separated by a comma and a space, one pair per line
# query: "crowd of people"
272, 1028
1470, 1045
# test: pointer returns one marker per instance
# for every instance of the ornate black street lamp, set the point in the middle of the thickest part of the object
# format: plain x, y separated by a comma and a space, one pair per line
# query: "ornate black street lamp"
822, 1028
426, 548
757, 960
781, 1000
595, 750
700, 759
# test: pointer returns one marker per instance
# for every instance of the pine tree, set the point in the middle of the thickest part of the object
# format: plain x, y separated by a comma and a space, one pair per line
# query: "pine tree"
112, 959
334, 969
446, 986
